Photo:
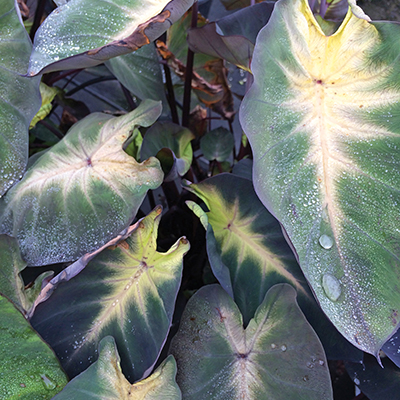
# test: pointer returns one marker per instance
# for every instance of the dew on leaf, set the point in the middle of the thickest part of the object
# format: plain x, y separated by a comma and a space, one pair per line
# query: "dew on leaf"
325, 241
47, 382
331, 286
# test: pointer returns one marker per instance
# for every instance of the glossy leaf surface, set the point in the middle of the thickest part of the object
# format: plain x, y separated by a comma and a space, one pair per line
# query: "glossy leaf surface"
105, 380
128, 292
82, 192
28, 369
218, 359
19, 96
84, 33
323, 121
246, 248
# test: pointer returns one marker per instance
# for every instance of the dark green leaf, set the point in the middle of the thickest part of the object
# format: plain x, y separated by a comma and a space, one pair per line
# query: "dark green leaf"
128, 292
218, 359
217, 144
29, 369
20, 97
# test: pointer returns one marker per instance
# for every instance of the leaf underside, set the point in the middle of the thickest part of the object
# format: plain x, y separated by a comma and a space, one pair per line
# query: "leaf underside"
84, 33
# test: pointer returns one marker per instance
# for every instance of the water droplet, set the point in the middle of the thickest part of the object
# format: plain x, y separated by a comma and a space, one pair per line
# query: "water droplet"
47, 382
273, 346
283, 347
356, 381
331, 286
305, 378
326, 242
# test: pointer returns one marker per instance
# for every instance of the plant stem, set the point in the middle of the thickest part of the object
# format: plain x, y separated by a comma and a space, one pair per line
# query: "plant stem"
38, 18
189, 72
88, 83
129, 98
59, 76
171, 94
52, 129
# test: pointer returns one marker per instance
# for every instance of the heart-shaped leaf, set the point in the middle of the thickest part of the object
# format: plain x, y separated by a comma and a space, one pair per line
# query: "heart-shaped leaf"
217, 144
104, 380
28, 368
82, 192
248, 255
217, 359
167, 135
128, 292
84, 33
19, 96
323, 120
249, 243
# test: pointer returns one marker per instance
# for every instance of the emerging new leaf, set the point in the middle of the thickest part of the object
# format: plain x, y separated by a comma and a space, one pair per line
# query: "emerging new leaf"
171, 144
323, 119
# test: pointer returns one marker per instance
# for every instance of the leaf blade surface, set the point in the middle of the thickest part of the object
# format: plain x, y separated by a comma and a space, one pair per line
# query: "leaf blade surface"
128, 292
324, 126
82, 192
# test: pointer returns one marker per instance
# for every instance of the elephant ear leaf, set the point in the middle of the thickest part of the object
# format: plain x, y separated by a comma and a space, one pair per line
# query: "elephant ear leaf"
104, 379
323, 119
83, 191
84, 33
19, 99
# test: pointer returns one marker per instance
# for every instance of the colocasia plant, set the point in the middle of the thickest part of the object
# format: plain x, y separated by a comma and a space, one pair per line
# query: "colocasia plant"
199, 200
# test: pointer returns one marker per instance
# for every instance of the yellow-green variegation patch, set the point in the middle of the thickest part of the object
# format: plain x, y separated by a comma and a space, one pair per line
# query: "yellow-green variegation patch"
247, 251
127, 291
323, 119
